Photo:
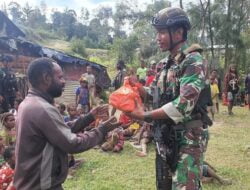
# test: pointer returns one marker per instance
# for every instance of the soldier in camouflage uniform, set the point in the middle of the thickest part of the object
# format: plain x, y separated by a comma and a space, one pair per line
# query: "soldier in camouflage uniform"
180, 84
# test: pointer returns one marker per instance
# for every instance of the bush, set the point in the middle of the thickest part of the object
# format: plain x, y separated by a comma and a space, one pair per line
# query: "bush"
125, 49
77, 46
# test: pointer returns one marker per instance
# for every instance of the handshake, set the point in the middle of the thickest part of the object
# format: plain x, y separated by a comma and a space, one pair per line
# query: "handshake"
107, 125
97, 112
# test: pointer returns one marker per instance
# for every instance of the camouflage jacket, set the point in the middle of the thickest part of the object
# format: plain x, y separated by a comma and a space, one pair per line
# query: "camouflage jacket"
184, 79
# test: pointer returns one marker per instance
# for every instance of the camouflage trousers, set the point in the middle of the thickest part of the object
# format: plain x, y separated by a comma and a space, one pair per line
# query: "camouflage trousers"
189, 167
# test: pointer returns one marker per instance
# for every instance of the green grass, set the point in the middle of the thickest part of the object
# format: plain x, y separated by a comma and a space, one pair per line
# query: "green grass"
57, 44
229, 138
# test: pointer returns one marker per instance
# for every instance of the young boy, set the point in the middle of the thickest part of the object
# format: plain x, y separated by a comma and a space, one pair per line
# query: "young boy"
72, 116
214, 95
72, 113
82, 95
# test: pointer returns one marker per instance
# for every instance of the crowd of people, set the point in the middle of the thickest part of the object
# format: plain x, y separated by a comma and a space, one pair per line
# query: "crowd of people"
138, 133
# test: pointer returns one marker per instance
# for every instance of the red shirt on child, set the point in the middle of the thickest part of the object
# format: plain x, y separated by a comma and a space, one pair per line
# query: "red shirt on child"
6, 177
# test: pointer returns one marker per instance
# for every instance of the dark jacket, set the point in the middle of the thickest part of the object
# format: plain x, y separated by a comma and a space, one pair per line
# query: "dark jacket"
43, 142
247, 84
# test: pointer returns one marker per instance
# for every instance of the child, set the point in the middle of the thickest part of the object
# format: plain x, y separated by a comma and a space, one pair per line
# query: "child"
150, 77
216, 78
130, 126
7, 170
214, 95
72, 113
8, 132
72, 116
62, 108
144, 136
82, 95
16, 105
114, 142
209, 173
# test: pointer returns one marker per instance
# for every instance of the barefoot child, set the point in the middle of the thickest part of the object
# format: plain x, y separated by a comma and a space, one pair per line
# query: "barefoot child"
214, 95
115, 141
209, 174
144, 137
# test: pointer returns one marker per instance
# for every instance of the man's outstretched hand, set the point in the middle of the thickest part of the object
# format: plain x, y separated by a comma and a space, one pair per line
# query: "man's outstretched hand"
109, 125
100, 110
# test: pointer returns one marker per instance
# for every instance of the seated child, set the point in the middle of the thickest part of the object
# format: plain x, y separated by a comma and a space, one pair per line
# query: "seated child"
72, 113
114, 142
144, 136
61, 107
209, 174
8, 133
16, 105
129, 125
7, 170
80, 111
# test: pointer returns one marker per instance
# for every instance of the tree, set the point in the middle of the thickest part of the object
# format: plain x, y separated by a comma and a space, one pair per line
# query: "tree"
4, 8
77, 46
125, 49
84, 15
43, 7
210, 27
36, 19
65, 21
228, 26
15, 11
27, 10
181, 4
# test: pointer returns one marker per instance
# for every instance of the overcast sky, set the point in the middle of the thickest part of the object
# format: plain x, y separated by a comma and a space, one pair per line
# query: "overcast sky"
77, 4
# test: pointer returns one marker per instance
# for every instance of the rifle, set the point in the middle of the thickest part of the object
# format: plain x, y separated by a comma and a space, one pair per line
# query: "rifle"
157, 132
159, 100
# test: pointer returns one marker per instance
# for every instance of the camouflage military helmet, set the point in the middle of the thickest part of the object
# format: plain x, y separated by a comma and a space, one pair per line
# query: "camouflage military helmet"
171, 17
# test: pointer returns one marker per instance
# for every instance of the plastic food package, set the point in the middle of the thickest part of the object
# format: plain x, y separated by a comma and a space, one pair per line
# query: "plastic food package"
126, 98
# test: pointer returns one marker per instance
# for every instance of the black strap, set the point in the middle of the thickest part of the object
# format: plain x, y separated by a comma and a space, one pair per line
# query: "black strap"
172, 44
169, 63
